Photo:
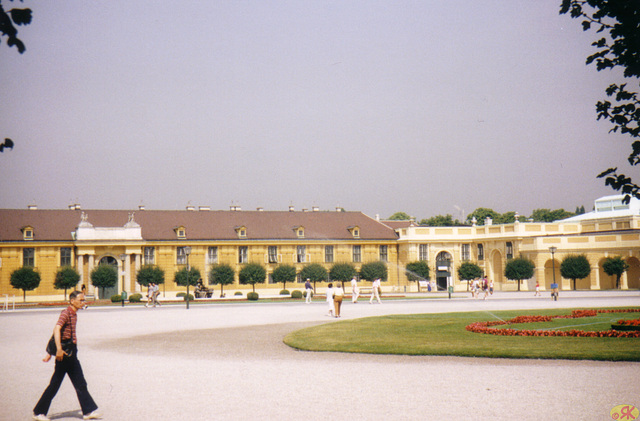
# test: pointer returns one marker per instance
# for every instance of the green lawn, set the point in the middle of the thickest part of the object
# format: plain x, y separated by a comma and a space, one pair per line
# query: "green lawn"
445, 334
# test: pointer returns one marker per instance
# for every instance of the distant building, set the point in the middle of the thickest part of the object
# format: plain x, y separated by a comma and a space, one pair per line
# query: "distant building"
612, 229
50, 239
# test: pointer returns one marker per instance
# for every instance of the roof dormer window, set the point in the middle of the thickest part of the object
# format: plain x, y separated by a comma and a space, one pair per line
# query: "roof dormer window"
27, 233
181, 232
355, 231
241, 231
299, 230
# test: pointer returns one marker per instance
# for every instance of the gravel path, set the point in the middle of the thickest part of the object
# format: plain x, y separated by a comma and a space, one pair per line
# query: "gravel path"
228, 362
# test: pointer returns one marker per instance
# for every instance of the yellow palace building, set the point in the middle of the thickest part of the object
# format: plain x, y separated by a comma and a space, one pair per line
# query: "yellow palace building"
50, 239
612, 229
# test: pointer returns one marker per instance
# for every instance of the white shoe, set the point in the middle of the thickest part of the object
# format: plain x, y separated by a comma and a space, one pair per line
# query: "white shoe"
95, 415
40, 417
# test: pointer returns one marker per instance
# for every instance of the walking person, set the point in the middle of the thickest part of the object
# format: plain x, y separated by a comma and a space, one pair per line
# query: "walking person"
537, 290
338, 295
149, 294
67, 363
309, 290
330, 299
355, 290
375, 291
156, 294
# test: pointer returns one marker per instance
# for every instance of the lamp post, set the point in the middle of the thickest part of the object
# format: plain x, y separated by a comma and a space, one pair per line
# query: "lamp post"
554, 286
187, 252
123, 295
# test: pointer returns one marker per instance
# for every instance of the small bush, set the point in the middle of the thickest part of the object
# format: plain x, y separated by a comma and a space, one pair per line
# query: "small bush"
285, 292
181, 294
238, 293
135, 298
190, 297
296, 294
116, 298
252, 296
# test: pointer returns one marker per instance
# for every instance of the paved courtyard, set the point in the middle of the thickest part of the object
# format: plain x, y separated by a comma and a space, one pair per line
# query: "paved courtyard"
228, 362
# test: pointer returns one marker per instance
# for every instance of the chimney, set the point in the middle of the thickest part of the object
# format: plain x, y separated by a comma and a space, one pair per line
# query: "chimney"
191, 208
315, 209
77, 206
32, 207
260, 209
204, 208
305, 210
141, 207
72, 207
291, 208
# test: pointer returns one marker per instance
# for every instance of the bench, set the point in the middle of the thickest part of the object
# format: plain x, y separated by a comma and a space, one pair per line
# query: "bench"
423, 285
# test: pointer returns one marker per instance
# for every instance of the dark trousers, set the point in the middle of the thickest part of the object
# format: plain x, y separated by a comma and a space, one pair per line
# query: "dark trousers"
71, 366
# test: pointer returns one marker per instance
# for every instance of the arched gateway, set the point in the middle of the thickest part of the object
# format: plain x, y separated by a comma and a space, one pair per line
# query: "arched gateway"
443, 270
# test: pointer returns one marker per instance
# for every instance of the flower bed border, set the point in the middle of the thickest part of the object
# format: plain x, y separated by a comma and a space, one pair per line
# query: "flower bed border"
486, 327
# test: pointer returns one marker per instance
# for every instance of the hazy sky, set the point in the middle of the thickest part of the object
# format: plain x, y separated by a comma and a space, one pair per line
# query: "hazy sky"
426, 107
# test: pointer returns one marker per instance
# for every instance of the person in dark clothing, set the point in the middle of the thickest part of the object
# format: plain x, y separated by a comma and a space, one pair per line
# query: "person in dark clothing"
67, 363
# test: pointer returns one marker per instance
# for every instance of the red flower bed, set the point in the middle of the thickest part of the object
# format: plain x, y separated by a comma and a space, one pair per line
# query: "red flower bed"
485, 327
635, 322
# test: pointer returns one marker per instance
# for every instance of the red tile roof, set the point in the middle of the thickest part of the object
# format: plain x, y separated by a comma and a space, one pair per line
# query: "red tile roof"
158, 225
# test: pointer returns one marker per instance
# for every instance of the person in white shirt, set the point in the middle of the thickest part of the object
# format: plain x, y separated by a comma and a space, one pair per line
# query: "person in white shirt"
355, 291
330, 299
375, 291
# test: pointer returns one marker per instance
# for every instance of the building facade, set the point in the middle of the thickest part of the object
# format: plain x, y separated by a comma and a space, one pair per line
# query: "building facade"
50, 239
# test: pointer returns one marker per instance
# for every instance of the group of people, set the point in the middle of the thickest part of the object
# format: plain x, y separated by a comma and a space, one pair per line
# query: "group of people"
335, 294
153, 292
483, 286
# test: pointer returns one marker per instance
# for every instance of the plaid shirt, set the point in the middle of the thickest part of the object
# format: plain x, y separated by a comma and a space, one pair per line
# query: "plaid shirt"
67, 322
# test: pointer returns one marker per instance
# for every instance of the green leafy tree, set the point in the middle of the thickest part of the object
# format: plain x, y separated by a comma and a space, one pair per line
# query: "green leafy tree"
481, 214
221, 274
185, 277
615, 266
547, 215
468, 271
26, 278
252, 274
104, 276
150, 274
374, 270
66, 277
315, 272
417, 271
507, 218
284, 274
518, 269
441, 221
342, 272
8, 21
399, 216
575, 267
618, 22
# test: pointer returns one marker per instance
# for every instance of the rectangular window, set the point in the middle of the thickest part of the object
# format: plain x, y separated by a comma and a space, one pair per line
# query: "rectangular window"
509, 250
466, 252
384, 253
357, 254
212, 255
273, 254
423, 252
480, 252
29, 257
149, 255
301, 252
243, 254
328, 254
65, 256
181, 256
